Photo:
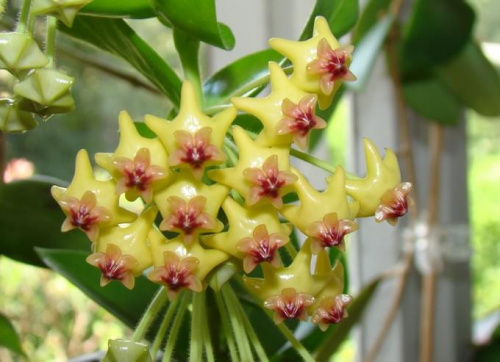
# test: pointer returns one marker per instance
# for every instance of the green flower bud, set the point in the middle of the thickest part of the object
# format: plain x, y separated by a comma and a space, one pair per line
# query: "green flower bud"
120, 350
46, 91
64, 10
12, 119
18, 52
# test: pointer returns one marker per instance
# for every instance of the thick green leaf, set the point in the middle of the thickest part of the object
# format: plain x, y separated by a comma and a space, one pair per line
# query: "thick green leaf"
371, 14
8, 336
437, 31
248, 122
144, 130
239, 78
116, 37
126, 305
340, 14
474, 80
29, 218
340, 332
196, 18
136, 9
367, 51
431, 99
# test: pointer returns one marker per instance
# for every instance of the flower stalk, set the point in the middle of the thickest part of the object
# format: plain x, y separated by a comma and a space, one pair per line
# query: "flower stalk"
151, 313
24, 16
176, 325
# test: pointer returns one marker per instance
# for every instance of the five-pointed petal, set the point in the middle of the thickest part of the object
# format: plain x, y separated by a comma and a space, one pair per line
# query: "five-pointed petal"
114, 266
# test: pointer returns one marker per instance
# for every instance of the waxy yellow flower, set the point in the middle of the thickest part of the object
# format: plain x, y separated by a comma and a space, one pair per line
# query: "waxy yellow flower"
269, 109
242, 223
72, 198
139, 164
381, 175
245, 177
312, 56
192, 138
315, 205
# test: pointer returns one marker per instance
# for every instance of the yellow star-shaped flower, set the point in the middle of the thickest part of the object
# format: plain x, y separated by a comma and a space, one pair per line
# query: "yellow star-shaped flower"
131, 142
132, 240
83, 181
208, 258
242, 222
187, 187
297, 275
251, 156
314, 204
301, 53
191, 119
381, 175
334, 287
268, 109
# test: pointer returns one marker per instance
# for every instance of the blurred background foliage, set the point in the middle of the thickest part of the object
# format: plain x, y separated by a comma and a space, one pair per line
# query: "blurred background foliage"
56, 321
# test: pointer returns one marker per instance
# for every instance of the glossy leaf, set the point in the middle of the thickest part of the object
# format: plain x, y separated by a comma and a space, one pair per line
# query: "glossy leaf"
474, 80
240, 78
197, 18
144, 130
29, 218
367, 52
372, 12
116, 37
437, 31
327, 343
126, 305
135, 9
8, 336
340, 14
248, 122
431, 99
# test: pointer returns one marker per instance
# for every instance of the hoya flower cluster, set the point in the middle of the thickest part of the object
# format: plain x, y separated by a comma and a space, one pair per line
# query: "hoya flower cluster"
192, 177
39, 89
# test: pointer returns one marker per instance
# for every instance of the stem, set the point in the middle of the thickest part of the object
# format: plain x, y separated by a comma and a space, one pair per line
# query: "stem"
51, 41
210, 111
304, 353
3, 149
231, 152
151, 313
394, 308
100, 64
259, 82
290, 248
312, 160
24, 17
238, 328
254, 340
429, 286
318, 162
406, 151
174, 332
188, 50
196, 343
226, 327
164, 326
207, 340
